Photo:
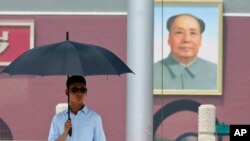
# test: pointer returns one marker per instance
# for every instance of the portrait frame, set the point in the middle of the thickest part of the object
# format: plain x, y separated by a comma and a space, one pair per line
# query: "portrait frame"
19, 37
210, 11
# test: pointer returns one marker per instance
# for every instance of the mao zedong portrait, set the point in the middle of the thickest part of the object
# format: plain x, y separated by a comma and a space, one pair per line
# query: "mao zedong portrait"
183, 68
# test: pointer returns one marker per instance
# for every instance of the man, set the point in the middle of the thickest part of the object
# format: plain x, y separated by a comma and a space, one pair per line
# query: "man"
86, 124
183, 69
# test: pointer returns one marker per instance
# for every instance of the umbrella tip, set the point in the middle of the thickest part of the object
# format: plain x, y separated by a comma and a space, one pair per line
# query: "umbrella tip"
67, 35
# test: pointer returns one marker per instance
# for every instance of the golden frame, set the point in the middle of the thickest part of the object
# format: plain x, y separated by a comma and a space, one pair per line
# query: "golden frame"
167, 8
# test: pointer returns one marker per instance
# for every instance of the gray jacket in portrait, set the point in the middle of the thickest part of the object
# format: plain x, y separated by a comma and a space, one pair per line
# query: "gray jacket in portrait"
170, 74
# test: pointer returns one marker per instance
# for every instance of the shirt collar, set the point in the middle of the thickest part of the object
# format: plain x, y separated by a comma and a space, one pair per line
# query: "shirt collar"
177, 68
84, 110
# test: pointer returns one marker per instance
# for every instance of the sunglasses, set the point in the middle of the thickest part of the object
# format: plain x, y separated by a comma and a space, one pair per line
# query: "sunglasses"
76, 90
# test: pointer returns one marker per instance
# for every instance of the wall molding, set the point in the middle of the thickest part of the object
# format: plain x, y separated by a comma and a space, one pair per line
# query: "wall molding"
59, 13
236, 14
94, 13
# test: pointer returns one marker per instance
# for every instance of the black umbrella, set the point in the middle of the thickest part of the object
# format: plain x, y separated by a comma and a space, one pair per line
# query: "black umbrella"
67, 58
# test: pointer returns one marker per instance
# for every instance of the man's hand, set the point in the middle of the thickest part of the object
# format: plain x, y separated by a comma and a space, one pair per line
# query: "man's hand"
67, 126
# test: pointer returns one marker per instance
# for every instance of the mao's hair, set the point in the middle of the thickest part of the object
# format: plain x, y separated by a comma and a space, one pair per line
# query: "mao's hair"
171, 20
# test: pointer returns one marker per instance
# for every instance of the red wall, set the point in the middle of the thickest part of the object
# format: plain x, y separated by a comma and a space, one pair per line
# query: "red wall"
28, 104
232, 106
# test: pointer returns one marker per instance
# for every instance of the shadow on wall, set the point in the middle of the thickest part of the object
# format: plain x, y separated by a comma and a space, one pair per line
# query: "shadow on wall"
174, 107
5, 132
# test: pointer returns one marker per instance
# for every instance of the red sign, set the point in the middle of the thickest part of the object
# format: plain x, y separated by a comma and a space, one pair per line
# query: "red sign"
16, 37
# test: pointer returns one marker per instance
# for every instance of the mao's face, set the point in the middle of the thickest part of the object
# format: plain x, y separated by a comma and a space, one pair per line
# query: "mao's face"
185, 38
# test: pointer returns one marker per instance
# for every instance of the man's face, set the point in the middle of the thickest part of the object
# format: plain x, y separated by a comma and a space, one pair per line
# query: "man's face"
185, 38
77, 93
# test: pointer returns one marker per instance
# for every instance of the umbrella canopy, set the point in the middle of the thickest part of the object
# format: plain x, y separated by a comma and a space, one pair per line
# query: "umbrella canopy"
67, 58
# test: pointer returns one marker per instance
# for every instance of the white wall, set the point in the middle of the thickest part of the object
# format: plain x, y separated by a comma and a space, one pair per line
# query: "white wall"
230, 6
